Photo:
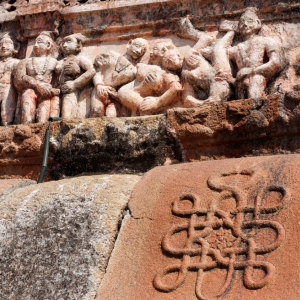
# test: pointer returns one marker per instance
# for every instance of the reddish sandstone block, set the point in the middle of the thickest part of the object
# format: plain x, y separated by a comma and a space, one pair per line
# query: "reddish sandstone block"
212, 230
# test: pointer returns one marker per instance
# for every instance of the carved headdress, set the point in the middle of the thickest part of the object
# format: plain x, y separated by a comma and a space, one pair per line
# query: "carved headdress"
7, 36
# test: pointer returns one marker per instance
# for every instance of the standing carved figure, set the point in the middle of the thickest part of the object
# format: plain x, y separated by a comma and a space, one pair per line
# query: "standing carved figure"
8, 93
34, 76
156, 87
115, 70
258, 58
76, 71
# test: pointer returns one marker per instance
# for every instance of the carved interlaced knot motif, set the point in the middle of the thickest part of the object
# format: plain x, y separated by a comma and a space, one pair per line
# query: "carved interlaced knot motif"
219, 238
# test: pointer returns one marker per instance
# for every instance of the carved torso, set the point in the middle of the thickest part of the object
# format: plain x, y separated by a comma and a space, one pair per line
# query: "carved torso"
252, 53
41, 68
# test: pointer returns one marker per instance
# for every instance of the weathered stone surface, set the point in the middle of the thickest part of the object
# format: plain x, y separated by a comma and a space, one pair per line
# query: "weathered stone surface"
56, 237
123, 145
21, 149
238, 128
7, 185
217, 230
126, 145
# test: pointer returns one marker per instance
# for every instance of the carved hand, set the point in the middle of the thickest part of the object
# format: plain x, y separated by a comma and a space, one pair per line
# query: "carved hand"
151, 78
72, 68
44, 89
244, 72
68, 87
149, 103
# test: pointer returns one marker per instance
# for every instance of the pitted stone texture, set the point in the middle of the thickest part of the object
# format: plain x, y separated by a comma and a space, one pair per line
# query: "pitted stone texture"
123, 145
238, 128
211, 230
8, 185
21, 151
56, 237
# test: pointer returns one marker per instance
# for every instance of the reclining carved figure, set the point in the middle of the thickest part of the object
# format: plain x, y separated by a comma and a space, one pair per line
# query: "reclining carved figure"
115, 71
156, 87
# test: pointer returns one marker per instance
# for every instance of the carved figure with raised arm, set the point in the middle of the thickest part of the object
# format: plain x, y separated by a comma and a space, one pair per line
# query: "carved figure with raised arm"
157, 86
39, 99
8, 93
115, 71
206, 74
75, 73
258, 58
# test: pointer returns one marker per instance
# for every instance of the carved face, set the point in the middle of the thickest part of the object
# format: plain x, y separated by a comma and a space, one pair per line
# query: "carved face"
249, 24
157, 53
6, 47
42, 46
193, 58
136, 48
172, 60
70, 45
102, 60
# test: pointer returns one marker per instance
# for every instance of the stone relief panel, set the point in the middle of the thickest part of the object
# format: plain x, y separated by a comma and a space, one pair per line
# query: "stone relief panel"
238, 59
223, 238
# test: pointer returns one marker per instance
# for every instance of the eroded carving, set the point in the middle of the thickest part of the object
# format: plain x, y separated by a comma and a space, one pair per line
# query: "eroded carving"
204, 81
258, 58
115, 71
34, 77
8, 93
76, 72
224, 238
156, 86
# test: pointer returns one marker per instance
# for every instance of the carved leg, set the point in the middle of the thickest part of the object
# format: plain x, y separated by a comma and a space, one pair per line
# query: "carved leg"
130, 99
8, 105
84, 104
54, 106
111, 110
43, 111
28, 106
97, 107
18, 113
69, 106
219, 91
257, 85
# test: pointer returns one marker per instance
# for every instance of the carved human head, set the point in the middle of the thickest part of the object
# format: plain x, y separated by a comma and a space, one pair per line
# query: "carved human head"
158, 51
249, 22
172, 60
192, 58
43, 44
7, 46
72, 44
136, 48
106, 59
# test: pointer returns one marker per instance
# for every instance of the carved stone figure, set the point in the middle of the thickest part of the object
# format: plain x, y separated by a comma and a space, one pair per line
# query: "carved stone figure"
39, 99
156, 87
136, 49
258, 58
115, 71
204, 81
76, 71
8, 93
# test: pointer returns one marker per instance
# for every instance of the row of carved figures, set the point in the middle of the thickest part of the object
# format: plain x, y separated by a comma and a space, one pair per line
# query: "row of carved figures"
39, 87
